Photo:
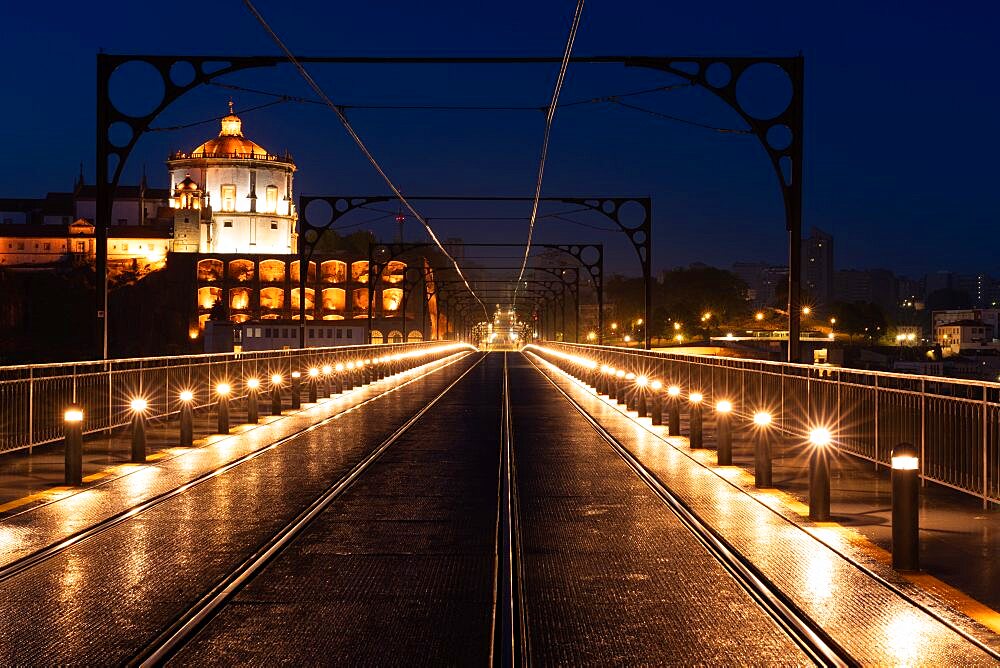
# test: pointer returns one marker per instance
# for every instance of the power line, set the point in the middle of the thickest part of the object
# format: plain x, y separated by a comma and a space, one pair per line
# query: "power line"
545, 138
360, 143
170, 128
658, 114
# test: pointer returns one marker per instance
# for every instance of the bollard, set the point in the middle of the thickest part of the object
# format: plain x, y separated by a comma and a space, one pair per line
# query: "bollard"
819, 474
138, 407
674, 410
641, 390
349, 384
296, 390
313, 382
73, 451
762, 450
619, 387
327, 390
187, 419
724, 433
338, 383
905, 508
696, 435
253, 412
630, 391
222, 390
276, 381
656, 402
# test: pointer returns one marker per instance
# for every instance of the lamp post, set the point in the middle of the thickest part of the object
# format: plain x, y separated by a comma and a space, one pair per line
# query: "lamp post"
656, 402
762, 449
187, 419
696, 436
641, 390
138, 406
905, 508
338, 383
724, 448
819, 474
223, 390
276, 381
674, 410
296, 390
313, 380
253, 412
327, 370
73, 453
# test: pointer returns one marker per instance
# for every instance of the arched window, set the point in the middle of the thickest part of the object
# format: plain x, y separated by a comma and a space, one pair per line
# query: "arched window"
395, 336
376, 336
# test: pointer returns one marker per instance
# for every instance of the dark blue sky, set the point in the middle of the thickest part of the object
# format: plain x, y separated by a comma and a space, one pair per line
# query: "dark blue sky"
901, 115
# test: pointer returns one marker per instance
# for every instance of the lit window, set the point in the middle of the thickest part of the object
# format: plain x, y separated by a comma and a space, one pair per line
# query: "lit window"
229, 197
272, 199
274, 225
228, 223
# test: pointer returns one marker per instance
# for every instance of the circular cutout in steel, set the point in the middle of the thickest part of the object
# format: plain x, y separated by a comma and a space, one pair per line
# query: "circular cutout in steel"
120, 134
182, 73
136, 88
764, 91
718, 75
318, 213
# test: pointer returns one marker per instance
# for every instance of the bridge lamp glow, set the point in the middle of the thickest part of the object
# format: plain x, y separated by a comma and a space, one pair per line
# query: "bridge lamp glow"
759, 316
695, 397
186, 396
642, 381
627, 338
327, 369
73, 415
253, 383
296, 374
630, 376
619, 374
276, 379
762, 418
313, 372
223, 389
656, 386
820, 437
806, 310
724, 406
905, 461
674, 391
138, 405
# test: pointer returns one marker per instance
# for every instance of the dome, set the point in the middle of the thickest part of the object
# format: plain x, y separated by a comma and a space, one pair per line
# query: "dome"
230, 143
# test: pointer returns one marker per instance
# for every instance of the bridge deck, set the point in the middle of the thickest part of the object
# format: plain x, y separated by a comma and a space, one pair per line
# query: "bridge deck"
373, 537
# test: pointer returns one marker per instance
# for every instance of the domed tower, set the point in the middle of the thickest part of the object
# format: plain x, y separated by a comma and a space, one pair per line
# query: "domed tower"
246, 190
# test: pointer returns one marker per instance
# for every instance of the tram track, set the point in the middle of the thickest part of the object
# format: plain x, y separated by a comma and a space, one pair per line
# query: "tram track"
805, 632
29, 561
187, 625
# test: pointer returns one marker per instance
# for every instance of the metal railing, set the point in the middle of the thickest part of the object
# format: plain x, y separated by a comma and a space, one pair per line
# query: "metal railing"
955, 424
33, 398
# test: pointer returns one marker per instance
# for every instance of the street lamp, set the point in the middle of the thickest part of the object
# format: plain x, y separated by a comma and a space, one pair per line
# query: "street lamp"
762, 449
73, 455
223, 390
724, 447
819, 474
674, 410
187, 418
695, 439
138, 406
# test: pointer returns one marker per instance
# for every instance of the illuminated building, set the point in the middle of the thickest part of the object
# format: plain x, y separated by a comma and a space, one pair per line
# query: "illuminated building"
230, 195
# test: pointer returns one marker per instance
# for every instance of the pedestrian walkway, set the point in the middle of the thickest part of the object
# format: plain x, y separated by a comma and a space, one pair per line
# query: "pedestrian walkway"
875, 623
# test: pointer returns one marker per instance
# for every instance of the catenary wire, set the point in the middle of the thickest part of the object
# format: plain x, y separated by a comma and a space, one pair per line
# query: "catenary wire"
361, 145
549, 116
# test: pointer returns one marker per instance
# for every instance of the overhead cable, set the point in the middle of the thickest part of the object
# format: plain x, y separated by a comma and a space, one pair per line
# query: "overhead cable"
360, 143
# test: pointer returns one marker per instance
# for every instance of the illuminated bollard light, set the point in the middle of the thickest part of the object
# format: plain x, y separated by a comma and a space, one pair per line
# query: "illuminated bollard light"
642, 400
630, 391
369, 369
349, 380
905, 508
604, 387
296, 390
327, 371
138, 406
656, 402
222, 390
253, 409
619, 387
762, 449
819, 474
187, 418
73, 451
380, 370
338, 380
313, 382
724, 433
276, 382
674, 410
696, 437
